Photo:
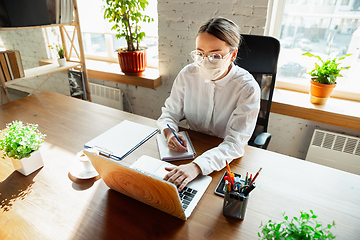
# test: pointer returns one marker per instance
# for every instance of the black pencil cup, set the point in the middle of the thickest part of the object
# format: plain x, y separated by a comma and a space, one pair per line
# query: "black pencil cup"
235, 204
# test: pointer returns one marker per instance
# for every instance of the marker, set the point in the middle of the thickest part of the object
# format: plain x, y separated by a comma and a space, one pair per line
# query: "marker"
253, 180
230, 179
248, 189
176, 136
249, 180
227, 186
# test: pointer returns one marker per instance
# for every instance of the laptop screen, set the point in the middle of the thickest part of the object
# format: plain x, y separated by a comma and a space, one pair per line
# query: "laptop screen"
144, 187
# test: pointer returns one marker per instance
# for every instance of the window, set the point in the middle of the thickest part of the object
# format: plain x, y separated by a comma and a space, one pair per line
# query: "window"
322, 27
2, 48
100, 42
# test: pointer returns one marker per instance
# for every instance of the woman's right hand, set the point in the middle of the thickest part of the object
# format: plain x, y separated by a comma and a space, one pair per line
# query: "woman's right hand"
173, 144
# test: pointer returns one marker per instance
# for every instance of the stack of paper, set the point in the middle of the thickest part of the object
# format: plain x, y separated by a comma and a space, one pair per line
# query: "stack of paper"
121, 140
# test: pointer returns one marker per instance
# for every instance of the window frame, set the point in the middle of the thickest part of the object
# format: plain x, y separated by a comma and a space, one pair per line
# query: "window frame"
110, 47
273, 28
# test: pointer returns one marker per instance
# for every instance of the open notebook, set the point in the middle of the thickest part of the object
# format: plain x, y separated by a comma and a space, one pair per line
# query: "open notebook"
144, 182
167, 155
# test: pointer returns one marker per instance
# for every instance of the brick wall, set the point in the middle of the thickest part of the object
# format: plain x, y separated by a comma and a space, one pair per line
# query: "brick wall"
32, 47
178, 24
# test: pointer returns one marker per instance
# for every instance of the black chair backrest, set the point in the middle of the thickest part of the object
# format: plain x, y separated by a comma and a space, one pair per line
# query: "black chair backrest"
259, 55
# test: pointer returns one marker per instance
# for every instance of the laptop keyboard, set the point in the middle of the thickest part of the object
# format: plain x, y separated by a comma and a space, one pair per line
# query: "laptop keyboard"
186, 195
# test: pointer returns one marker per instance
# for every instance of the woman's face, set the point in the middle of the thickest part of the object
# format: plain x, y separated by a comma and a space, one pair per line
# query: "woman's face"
208, 43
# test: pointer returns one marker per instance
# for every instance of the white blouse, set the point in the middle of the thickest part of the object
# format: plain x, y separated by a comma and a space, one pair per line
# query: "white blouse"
225, 108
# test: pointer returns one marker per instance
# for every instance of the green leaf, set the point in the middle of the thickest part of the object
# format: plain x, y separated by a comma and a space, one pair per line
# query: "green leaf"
127, 14
21, 139
328, 71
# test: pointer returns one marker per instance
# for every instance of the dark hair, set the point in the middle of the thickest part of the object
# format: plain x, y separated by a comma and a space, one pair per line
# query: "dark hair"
223, 29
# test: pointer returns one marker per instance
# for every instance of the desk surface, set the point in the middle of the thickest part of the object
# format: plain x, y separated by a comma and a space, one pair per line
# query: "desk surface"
49, 205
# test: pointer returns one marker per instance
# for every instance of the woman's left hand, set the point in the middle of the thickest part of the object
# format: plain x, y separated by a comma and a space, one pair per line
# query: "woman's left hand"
182, 175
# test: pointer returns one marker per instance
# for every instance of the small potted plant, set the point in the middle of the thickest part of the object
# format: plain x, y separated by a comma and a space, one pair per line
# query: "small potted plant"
305, 227
61, 54
126, 15
21, 142
323, 77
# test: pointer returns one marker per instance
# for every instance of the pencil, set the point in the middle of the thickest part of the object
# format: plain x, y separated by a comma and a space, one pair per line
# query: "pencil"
228, 167
229, 171
253, 180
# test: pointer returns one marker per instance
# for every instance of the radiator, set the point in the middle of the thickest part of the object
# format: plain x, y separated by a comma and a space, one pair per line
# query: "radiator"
335, 150
107, 96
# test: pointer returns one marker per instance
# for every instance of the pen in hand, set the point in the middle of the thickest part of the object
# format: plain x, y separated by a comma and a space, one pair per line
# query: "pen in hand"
182, 144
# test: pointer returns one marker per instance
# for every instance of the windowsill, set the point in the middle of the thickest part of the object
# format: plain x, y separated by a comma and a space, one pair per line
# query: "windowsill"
338, 112
107, 71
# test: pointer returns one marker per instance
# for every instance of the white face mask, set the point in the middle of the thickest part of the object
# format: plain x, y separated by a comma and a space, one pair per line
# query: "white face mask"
214, 69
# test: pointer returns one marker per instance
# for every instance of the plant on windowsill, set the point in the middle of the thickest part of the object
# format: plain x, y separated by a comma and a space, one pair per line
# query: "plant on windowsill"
21, 142
60, 51
126, 15
323, 77
306, 227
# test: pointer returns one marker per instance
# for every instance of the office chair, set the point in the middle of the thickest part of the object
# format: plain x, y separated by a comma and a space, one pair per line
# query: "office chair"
259, 56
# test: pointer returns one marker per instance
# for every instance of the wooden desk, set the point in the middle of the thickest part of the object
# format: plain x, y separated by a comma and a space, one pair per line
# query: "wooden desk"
48, 205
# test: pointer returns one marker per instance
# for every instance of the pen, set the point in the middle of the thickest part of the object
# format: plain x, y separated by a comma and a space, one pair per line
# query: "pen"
246, 178
175, 135
253, 180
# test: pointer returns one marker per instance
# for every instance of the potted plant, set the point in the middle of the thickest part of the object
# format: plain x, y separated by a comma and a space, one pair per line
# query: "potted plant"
126, 15
324, 77
21, 143
61, 54
305, 227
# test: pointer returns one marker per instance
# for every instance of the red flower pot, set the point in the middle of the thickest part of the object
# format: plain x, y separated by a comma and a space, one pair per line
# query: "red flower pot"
132, 63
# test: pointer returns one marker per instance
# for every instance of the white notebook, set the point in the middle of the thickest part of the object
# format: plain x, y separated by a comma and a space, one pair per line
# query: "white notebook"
122, 139
167, 155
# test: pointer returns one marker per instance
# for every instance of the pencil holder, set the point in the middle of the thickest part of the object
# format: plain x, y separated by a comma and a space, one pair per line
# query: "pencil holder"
235, 204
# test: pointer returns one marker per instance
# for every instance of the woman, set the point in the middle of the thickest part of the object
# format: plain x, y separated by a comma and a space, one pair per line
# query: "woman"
216, 97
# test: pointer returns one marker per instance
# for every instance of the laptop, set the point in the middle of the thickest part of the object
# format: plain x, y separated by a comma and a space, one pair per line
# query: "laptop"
143, 181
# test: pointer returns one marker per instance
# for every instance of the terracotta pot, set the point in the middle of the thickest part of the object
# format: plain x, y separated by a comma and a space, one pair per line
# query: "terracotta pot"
319, 92
132, 63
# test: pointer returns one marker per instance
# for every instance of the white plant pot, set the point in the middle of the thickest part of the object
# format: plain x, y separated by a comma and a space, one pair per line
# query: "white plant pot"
28, 165
62, 61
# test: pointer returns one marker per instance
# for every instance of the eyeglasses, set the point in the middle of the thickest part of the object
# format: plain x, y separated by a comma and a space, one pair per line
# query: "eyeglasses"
199, 56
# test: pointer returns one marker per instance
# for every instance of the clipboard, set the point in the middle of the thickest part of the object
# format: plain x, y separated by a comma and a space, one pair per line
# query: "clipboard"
167, 155
122, 139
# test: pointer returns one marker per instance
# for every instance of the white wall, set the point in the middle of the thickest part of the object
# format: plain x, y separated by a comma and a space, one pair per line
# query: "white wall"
291, 136
31, 44
178, 24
